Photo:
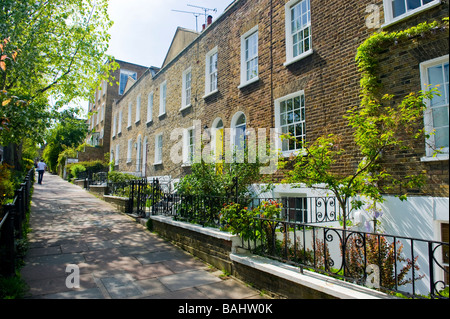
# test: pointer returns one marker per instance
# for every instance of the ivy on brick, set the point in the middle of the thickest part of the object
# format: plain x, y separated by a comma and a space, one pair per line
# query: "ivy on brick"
368, 52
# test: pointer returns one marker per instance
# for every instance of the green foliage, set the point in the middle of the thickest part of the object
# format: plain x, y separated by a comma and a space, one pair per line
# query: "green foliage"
6, 184
240, 220
218, 179
118, 177
243, 221
12, 287
77, 169
52, 48
67, 133
91, 166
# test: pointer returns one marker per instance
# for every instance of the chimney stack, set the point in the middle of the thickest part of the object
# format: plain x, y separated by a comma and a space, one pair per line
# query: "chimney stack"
209, 20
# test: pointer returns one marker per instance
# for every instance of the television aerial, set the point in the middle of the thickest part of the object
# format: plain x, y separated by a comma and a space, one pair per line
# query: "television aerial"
197, 14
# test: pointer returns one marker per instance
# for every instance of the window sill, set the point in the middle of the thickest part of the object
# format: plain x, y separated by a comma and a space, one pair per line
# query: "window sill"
210, 93
148, 122
439, 157
162, 114
187, 164
298, 58
185, 107
157, 163
242, 85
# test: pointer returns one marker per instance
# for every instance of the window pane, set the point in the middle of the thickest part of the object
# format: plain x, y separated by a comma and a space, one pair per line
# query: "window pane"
283, 107
289, 105
292, 122
300, 18
398, 7
296, 103
413, 4
440, 116
435, 75
241, 120
441, 137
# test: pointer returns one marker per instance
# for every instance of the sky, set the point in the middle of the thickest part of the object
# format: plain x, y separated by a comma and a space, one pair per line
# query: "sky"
143, 29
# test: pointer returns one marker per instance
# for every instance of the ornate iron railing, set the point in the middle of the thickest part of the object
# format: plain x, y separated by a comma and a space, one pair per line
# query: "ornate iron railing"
410, 266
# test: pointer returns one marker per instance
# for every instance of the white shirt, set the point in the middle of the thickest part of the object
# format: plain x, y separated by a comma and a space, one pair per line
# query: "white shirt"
41, 166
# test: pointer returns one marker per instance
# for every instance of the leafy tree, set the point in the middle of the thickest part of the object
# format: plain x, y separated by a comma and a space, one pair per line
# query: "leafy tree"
223, 178
48, 49
67, 133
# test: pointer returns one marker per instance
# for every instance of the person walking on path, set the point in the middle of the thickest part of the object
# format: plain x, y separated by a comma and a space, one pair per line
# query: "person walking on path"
41, 169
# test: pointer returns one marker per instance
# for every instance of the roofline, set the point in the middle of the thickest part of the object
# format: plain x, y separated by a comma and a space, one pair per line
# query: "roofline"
201, 34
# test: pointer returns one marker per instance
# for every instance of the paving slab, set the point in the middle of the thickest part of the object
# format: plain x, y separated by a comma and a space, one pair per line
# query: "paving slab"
116, 257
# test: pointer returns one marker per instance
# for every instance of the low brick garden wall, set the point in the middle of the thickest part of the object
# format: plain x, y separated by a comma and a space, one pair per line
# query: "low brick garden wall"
222, 250
121, 203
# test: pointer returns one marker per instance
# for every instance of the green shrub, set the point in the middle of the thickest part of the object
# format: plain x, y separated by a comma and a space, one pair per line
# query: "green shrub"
118, 177
77, 169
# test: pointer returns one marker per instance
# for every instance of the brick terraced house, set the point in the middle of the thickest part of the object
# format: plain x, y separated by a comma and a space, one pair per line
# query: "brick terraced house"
99, 124
291, 65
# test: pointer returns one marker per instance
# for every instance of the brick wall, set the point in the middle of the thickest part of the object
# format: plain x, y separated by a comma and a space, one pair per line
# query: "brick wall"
399, 74
328, 77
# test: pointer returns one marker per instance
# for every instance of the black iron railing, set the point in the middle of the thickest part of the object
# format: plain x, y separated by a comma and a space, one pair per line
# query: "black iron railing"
410, 266
11, 225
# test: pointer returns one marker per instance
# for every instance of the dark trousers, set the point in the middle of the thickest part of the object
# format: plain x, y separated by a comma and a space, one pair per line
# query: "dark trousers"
40, 176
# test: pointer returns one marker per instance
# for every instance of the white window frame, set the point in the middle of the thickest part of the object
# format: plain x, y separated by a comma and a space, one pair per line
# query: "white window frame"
104, 86
116, 159
144, 156
428, 116
150, 103
188, 147
119, 123
130, 107
288, 28
162, 98
102, 113
278, 124
244, 62
114, 125
208, 89
129, 150
186, 89
138, 108
138, 153
158, 149
234, 127
389, 18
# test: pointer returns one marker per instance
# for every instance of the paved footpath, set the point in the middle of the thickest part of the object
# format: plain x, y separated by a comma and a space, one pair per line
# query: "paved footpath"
117, 258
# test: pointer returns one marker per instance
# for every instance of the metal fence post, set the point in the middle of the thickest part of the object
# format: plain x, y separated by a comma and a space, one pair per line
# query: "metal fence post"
8, 264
